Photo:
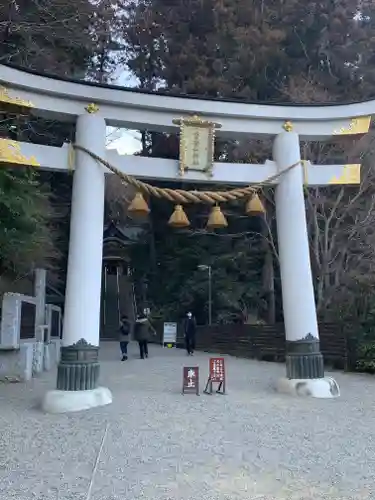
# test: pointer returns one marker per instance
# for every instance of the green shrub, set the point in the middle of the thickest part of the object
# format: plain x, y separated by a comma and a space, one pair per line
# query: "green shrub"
366, 357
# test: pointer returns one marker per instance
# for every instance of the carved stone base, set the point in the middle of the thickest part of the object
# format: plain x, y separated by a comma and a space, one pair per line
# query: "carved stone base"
323, 388
78, 369
304, 359
71, 401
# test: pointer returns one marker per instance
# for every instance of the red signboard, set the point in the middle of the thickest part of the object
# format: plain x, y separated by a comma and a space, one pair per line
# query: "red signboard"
190, 380
217, 374
217, 370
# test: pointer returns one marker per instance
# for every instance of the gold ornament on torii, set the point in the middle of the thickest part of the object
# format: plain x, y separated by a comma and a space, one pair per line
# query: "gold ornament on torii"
197, 143
92, 108
9, 100
356, 126
10, 152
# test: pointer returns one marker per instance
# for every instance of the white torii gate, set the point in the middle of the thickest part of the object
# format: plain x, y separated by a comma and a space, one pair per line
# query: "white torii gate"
93, 107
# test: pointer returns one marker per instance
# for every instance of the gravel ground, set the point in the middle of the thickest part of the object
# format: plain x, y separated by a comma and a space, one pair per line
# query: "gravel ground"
251, 444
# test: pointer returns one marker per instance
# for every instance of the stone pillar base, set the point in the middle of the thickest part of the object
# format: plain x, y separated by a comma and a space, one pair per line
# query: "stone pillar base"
70, 401
325, 387
304, 359
78, 369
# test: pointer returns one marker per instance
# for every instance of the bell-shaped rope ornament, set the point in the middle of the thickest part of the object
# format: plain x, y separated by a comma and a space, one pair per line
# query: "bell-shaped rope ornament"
255, 206
216, 219
179, 218
138, 206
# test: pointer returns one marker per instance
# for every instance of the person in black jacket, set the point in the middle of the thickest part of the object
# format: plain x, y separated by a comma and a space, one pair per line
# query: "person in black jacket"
125, 328
142, 333
190, 328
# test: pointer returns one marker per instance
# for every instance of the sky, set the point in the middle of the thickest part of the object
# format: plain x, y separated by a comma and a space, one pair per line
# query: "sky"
126, 142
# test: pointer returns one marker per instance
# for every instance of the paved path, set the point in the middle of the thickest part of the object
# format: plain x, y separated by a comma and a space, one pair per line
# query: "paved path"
252, 444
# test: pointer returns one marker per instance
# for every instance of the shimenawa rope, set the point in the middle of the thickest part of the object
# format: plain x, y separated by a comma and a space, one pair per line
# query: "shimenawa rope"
182, 196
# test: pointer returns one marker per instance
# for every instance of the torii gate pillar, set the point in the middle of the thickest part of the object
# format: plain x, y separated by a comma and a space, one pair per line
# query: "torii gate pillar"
304, 361
78, 371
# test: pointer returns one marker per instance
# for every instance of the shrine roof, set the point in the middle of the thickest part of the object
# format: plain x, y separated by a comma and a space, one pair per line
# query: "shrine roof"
117, 232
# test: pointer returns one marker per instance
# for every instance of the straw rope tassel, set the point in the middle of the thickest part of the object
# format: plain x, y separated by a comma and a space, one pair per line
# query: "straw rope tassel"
179, 217
139, 205
216, 219
255, 206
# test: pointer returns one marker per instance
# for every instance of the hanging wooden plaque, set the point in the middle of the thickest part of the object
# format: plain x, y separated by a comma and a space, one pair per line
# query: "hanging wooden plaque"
197, 142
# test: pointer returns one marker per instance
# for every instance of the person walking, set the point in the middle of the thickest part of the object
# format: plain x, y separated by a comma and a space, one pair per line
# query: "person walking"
190, 328
142, 333
125, 328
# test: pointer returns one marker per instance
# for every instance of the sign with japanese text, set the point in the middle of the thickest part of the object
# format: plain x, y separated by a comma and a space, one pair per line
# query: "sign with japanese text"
169, 334
217, 369
190, 380
217, 375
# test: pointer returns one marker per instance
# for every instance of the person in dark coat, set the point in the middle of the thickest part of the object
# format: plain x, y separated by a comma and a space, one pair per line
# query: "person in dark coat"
124, 333
142, 333
190, 327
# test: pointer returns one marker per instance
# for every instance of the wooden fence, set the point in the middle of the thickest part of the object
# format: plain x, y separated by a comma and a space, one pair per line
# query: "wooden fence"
266, 342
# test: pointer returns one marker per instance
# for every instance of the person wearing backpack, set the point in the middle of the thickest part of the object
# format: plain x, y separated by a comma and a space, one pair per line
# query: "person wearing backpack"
124, 336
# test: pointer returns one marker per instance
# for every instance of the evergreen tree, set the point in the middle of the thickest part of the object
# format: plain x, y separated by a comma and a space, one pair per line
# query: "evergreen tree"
107, 48
26, 228
62, 38
251, 49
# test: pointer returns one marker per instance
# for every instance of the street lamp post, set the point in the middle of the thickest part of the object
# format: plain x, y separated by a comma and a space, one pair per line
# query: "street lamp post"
203, 267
